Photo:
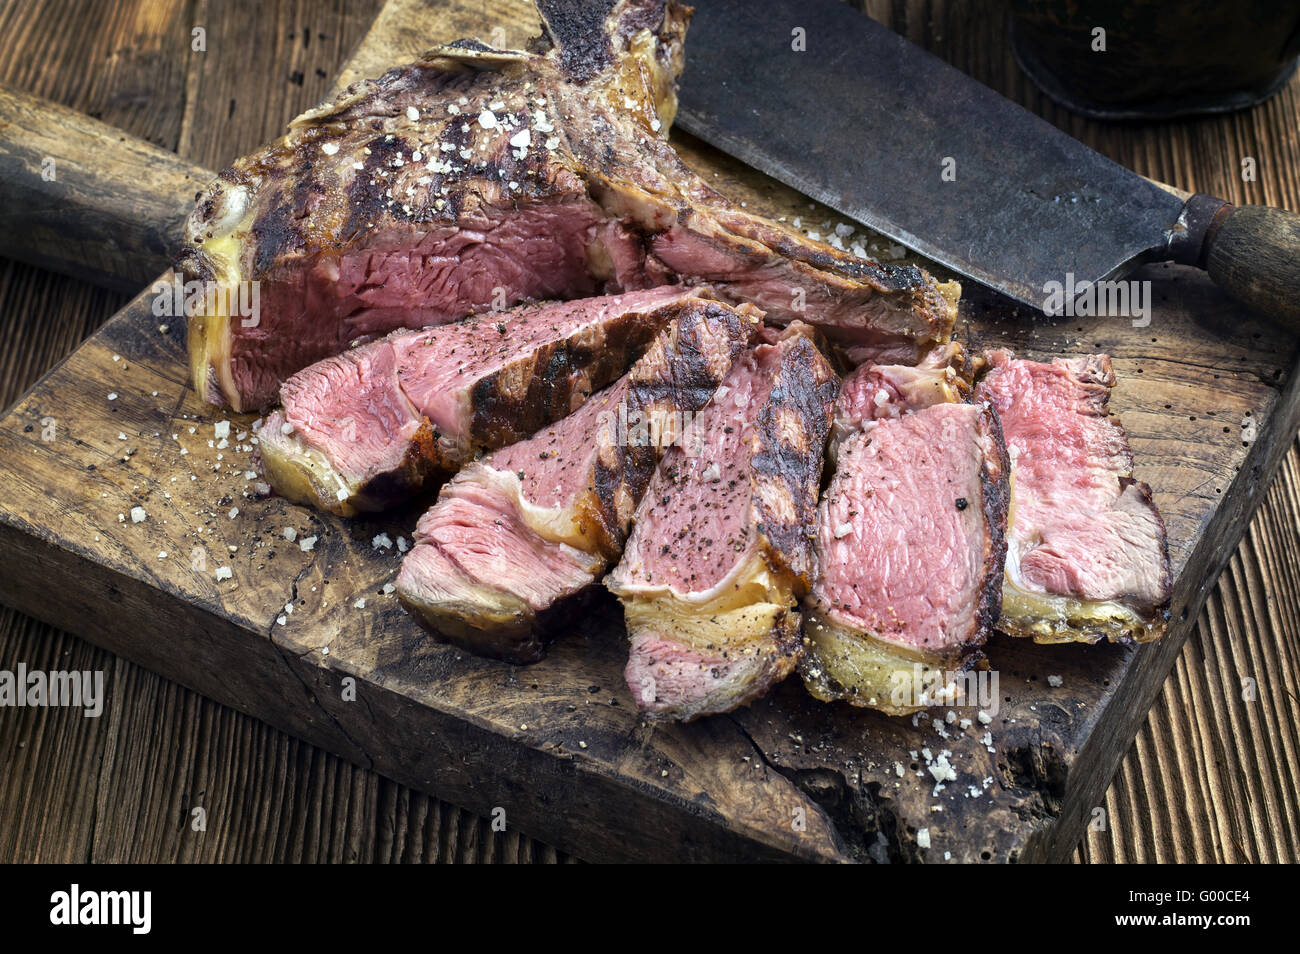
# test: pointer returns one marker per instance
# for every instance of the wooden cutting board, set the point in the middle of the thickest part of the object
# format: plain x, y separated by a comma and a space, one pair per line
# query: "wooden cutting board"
1207, 394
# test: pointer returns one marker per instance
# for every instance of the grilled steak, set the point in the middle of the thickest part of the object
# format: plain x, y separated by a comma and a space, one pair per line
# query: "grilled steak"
910, 547
719, 552
515, 536
364, 429
1087, 557
876, 391
476, 178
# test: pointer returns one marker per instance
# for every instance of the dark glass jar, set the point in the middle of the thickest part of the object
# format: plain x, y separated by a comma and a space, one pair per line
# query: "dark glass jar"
1155, 58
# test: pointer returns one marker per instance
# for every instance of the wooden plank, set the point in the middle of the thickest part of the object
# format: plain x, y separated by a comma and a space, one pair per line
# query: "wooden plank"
1130, 425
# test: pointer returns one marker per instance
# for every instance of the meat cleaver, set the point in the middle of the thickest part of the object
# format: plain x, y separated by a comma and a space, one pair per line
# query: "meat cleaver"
846, 111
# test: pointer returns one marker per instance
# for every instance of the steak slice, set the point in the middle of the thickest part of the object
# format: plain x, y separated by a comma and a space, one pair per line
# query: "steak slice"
516, 537
1087, 557
910, 547
476, 178
878, 391
367, 428
719, 552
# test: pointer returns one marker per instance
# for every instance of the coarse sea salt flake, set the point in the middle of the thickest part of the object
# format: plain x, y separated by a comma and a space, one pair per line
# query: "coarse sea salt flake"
330, 148
138, 515
224, 573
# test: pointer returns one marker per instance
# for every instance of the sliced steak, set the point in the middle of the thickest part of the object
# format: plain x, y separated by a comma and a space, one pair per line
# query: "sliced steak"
1087, 556
365, 429
910, 547
719, 552
877, 391
515, 537
477, 178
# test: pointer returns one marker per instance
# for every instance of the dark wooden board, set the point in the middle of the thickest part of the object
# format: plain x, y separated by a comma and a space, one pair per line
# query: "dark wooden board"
489, 736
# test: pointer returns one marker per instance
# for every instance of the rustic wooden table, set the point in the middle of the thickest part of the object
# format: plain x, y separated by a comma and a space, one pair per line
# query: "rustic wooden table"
1213, 776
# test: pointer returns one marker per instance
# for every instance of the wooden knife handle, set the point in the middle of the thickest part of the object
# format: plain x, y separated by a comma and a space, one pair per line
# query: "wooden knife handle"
1253, 253
85, 199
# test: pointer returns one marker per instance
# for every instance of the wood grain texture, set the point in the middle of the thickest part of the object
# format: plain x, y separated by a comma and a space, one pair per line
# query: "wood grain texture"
1176, 807
1255, 257
55, 209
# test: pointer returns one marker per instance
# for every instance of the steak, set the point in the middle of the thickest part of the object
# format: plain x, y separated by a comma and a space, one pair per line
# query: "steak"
516, 537
719, 552
910, 546
1087, 557
366, 428
878, 391
475, 178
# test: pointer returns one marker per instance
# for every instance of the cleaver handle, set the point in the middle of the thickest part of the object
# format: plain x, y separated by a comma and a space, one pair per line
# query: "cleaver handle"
1252, 252
85, 199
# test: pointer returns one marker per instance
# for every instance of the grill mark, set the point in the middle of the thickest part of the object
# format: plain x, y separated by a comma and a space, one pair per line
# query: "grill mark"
995, 491
807, 386
558, 371
275, 232
366, 199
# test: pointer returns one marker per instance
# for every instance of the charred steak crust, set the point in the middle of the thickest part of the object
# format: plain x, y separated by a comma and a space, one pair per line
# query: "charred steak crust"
521, 639
577, 28
995, 485
791, 433
560, 375
419, 465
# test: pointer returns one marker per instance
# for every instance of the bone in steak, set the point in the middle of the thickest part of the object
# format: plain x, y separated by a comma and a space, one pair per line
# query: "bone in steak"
1087, 557
720, 552
476, 178
910, 546
365, 429
517, 536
